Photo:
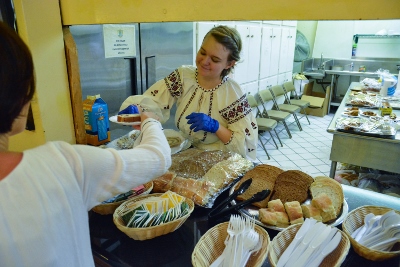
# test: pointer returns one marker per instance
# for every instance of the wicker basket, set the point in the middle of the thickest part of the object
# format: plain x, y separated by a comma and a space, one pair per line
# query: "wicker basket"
109, 208
354, 220
282, 240
147, 232
211, 245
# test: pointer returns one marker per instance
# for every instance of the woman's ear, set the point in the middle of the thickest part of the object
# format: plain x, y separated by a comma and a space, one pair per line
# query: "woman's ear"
230, 64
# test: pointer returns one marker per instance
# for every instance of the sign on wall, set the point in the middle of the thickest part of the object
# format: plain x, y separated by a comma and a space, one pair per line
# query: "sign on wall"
119, 40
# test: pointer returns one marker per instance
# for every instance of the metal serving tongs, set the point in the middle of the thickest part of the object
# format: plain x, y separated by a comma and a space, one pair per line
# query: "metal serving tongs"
219, 210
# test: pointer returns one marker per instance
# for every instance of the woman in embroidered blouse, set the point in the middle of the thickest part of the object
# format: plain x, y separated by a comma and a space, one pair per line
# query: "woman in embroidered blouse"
211, 109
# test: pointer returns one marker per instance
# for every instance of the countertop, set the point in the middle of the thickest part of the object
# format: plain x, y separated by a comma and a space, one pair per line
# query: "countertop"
111, 247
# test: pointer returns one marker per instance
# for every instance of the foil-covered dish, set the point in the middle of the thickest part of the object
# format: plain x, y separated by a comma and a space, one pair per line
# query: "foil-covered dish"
363, 99
373, 126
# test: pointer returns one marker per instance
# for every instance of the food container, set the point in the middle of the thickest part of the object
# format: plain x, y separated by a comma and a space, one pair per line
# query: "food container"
354, 220
211, 245
283, 239
147, 232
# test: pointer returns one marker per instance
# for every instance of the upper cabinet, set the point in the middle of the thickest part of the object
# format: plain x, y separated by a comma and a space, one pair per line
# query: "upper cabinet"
249, 66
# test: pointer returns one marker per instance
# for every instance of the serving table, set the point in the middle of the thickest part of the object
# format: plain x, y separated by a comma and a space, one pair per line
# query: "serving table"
111, 247
365, 151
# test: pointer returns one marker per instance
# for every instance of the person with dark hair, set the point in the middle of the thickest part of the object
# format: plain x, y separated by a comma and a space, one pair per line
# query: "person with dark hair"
46, 192
211, 109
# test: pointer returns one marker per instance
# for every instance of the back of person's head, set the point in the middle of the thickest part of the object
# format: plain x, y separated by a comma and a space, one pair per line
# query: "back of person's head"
17, 83
230, 39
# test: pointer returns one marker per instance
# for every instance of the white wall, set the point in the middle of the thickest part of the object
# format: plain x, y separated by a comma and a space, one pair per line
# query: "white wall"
335, 38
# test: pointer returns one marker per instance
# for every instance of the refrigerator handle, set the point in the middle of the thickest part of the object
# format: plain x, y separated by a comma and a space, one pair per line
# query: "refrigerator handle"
150, 70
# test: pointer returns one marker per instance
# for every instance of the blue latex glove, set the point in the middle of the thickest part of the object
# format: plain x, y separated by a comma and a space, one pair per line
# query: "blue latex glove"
203, 122
131, 109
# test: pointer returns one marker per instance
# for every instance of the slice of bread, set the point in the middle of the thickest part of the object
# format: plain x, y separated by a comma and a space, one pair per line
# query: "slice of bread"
294, 212
292, 185
128, 117
264, 177
330, 187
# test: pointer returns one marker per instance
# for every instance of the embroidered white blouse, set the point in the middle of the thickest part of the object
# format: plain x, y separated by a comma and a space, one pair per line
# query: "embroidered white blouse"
226, 103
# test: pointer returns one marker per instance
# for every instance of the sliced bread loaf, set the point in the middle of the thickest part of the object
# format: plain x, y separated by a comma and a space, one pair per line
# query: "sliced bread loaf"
331, 188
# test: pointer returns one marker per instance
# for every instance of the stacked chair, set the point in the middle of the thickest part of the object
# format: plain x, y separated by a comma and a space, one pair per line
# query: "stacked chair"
289, 88
264, 125
277, 91
264, 97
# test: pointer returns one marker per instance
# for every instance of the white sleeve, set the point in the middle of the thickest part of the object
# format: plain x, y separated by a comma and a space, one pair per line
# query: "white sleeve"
104, 173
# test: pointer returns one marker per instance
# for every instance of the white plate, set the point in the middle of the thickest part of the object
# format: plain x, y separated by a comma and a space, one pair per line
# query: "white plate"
368, 116
252, 212
115, 120
182, 145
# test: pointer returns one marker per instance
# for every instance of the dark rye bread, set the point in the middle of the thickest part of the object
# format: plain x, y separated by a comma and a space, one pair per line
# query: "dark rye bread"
292, 185
264, 177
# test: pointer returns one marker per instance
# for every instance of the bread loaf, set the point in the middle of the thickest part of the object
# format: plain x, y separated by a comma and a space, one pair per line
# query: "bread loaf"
330, 187
128, 117
323, 202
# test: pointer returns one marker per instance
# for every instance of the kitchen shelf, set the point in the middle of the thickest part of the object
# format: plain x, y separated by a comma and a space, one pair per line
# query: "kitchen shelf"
375, 36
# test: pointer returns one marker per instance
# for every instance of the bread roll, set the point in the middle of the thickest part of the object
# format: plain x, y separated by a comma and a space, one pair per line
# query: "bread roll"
268, 216
294, 212
276, 205
309, 211
324, 204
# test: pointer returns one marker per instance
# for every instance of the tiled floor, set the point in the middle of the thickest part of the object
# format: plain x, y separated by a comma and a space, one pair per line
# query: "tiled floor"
308, 150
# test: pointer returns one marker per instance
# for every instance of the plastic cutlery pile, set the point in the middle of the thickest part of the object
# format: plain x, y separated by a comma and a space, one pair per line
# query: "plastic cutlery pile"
312, 243
241, 242
379, 232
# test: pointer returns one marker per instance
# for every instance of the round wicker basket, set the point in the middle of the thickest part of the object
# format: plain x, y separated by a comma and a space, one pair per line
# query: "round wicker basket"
109, 208
282, 240
147, 232
211, 245
354, 220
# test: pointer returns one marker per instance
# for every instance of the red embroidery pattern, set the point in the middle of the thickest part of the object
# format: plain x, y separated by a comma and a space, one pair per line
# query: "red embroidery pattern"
174, 83
253, 125
186, 107
236, 111
154, 93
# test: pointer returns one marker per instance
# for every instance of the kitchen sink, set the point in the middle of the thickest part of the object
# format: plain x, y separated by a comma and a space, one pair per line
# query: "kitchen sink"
314, 73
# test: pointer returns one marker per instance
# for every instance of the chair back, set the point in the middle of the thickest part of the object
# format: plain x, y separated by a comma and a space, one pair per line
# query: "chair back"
252, 101
265, 95
277, 90
289, 87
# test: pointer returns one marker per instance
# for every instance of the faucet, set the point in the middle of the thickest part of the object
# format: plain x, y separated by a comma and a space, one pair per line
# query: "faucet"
321, 65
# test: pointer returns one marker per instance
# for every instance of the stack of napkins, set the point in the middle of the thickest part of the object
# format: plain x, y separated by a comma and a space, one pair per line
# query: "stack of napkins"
155, 211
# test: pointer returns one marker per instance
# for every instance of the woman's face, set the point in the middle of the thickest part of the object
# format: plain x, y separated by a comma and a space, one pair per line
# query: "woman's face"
212, 58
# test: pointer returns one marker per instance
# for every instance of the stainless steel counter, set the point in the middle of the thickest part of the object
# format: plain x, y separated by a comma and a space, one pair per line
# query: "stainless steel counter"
366, 151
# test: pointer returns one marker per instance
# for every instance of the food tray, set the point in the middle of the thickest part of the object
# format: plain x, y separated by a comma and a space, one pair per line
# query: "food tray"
252, 212
211, 245
373, 126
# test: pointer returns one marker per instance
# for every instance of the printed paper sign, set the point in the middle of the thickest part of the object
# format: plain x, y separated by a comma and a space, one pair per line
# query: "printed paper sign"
119, 40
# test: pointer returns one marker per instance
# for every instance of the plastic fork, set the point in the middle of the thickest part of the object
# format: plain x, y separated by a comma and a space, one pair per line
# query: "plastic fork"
256, 248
